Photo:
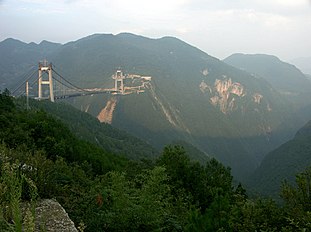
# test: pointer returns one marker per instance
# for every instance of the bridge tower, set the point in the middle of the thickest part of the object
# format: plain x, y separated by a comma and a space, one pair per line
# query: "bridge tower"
119, 81
44, 67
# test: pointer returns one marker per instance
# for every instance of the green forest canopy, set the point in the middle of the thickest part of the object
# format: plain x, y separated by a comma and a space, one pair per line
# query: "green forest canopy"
101, 191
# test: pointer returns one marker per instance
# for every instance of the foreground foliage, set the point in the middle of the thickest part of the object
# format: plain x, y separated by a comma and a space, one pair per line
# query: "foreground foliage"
40, 158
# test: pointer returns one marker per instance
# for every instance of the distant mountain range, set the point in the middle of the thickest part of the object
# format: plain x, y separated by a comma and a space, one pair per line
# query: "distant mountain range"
284, 77
234, 115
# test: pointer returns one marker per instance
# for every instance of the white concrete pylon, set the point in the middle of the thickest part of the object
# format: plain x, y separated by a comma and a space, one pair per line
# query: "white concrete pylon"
44, 67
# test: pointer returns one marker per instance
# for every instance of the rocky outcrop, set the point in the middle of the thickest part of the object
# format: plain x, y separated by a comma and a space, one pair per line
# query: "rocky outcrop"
51, 216
205, 87
225, 87
224, 94
257, 97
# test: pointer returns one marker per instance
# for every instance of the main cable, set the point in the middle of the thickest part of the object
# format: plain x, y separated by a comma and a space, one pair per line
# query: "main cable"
31, 85
76, 87
13, 92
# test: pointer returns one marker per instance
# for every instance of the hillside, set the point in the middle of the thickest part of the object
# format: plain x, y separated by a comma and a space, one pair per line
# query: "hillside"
18, 59
283, 163
41, 159
224, 111
194, 153
36, 130
88, 128
283, 76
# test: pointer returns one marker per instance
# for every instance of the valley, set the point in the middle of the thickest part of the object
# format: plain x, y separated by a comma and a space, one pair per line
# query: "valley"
173, 123
182, 116
181, 93
106, 179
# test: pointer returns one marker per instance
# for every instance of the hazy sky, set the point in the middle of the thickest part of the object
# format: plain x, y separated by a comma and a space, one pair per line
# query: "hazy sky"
218, 27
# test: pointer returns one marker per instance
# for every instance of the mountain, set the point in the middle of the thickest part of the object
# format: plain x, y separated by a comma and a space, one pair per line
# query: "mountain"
18, 58
194, 153
283, 163
87, 127
284, 77
303, 63
188, 95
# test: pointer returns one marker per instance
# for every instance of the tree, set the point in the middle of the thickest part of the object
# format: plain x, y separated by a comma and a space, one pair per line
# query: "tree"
6, 102
177, 163
298, 201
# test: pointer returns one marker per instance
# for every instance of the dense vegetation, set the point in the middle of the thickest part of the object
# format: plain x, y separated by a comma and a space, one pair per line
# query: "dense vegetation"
41, 158
88, 128
283, 163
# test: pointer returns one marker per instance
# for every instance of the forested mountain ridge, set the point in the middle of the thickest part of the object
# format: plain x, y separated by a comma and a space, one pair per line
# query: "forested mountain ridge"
41, 158
224, 111
18, 57
193, 152
86, 127
35, 129
283, 164
284, 77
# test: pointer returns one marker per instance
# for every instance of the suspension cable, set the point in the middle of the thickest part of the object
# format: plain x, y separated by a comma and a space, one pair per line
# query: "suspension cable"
76, 87
31, 85
15, 90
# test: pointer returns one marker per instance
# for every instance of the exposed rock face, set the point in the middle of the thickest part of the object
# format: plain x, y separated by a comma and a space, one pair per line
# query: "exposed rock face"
225, 87
205, 72
257, 97
106, 114
51, 216
225, 93
204, 87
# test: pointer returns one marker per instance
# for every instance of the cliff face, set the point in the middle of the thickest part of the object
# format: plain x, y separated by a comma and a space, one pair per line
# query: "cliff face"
224, 94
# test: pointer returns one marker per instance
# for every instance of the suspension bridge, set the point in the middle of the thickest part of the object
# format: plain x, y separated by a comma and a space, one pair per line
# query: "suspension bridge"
50, 84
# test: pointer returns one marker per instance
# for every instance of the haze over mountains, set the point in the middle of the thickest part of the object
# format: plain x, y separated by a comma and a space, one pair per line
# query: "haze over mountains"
284, 77
303, 63
235, 115
283, 164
